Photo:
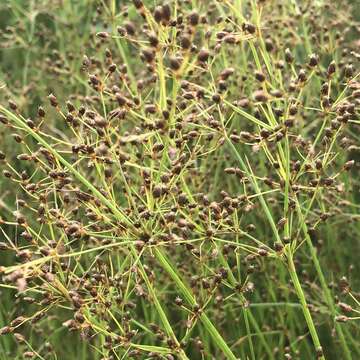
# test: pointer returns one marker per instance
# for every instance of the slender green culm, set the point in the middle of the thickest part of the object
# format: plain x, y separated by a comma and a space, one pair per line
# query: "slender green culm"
179, 179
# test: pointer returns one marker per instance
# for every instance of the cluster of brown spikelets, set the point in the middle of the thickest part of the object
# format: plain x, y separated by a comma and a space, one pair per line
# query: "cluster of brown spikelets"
189, 188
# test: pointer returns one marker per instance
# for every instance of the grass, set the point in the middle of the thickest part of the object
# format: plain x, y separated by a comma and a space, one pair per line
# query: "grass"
179, 180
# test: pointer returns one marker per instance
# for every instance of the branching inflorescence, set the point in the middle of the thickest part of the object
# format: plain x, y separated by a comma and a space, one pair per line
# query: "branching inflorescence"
183, 193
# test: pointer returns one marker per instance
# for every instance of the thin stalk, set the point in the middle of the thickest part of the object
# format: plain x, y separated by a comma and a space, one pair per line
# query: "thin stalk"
304, 305
219, 341
291, 266
323, 283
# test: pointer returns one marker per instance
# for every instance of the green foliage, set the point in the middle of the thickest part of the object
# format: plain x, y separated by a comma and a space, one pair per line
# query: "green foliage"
180, 180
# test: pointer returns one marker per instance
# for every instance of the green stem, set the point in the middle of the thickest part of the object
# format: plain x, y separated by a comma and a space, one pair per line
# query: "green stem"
304, 305
190, 299
323, 283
